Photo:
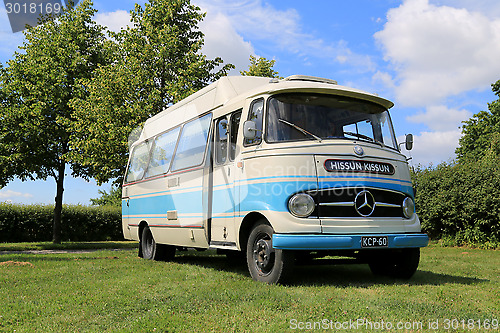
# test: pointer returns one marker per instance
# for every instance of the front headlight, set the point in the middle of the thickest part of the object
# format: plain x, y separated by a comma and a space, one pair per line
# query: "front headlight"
301, 205
408, 207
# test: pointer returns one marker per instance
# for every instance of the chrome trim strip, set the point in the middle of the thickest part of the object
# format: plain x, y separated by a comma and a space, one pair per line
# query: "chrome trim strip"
381, 204
343, 204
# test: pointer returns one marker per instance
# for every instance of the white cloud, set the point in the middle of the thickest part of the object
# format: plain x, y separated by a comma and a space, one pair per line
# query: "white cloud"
7, 194
114, 21
433, 147
384, 78
440, 118
439, 51
278, 29
221, 40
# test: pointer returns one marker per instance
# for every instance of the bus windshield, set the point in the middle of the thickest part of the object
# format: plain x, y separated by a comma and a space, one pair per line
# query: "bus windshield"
299, 116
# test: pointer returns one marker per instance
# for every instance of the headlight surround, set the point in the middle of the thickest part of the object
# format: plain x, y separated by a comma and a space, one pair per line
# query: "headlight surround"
301, 205
408, 207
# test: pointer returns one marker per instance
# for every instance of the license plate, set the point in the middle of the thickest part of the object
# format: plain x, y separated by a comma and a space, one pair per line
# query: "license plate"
374, 241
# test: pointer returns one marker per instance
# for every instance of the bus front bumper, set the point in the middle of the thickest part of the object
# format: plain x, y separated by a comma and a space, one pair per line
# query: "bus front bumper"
348, 242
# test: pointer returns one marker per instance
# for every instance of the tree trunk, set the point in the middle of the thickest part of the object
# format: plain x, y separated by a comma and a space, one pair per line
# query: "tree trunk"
56, 231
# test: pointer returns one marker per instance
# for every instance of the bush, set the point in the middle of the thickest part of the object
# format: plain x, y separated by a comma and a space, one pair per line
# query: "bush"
33, 223
460, 202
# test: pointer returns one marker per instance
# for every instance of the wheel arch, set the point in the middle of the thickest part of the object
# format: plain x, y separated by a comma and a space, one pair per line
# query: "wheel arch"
142, 225
246, 227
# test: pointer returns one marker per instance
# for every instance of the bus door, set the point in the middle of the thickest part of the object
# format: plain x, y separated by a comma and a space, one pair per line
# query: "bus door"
225, 197
125, 213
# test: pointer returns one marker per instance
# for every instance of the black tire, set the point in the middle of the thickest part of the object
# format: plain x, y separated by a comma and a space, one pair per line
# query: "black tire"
401, 264
266, 264
151, 250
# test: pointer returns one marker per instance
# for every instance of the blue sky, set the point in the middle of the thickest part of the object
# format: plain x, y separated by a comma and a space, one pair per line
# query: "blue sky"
436, 59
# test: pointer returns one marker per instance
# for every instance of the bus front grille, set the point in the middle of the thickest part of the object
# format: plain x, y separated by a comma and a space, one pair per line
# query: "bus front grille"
358, 202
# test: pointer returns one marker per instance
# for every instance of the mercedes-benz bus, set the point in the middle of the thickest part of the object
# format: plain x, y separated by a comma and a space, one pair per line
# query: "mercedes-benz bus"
277, 171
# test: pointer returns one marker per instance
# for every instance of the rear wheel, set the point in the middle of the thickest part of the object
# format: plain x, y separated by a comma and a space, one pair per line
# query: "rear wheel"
400, 264
265, 263
153, 251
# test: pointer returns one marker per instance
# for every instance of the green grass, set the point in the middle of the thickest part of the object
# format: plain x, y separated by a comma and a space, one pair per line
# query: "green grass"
201, 292
66, 246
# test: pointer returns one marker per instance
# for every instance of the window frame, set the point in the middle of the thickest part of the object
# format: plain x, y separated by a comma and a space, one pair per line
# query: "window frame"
172, 170
268, 105
133, 149
262, 130
230, 150
153, 147
217, 139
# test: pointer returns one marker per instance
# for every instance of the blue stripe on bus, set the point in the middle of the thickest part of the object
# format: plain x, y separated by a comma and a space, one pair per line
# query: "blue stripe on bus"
247, 197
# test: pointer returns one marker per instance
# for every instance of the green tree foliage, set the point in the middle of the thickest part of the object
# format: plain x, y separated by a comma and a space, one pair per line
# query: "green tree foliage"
480, 130
112, 198
261, 67
460, 201
38, 85
158, 61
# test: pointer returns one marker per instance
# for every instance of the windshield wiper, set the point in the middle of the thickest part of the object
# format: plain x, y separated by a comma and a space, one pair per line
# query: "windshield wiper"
300, 129
361, 136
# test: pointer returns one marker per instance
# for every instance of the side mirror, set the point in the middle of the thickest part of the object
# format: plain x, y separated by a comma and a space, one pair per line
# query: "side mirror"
409, 142
249, 130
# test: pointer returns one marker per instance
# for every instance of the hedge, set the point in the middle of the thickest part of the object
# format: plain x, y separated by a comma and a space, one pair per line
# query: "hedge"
460, 202
33, 223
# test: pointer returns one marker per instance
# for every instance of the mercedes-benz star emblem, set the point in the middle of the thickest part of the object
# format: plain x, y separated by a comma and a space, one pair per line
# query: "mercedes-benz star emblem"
358, 150
364, 203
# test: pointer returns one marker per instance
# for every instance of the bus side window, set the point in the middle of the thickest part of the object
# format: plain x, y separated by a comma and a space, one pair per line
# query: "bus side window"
162, 153
221, 129
138, 162
192, 143
255, 114
235, 124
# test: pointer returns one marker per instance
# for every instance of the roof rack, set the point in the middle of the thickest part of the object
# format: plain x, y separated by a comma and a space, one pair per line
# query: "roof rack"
310, 78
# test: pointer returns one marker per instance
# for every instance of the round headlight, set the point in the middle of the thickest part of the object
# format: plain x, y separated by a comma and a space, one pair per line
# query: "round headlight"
408, 207
301, 205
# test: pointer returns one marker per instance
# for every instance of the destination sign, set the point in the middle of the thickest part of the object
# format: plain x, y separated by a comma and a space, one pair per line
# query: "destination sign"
359, 166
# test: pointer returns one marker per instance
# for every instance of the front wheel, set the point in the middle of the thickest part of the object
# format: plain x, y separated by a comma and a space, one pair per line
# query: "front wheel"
265, 263
152, 250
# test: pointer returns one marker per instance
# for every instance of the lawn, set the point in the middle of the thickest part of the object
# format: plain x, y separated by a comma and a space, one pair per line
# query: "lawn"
202, 292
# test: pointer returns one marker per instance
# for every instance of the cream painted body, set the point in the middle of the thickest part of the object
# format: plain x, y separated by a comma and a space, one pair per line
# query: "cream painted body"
205, 205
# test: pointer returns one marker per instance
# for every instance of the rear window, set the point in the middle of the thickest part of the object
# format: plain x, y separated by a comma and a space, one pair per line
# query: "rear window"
138, 162
163, 151
192, 143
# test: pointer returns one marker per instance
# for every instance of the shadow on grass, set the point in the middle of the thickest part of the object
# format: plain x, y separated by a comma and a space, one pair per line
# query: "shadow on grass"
342, 275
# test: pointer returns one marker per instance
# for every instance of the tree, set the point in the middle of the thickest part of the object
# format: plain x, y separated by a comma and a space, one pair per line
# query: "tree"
482, 131
261, 67
38, 85
158, 62
460, 201
111, 198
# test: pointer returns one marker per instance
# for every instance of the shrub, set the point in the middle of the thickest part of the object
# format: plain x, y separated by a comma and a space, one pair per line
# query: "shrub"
33, 223
460, 202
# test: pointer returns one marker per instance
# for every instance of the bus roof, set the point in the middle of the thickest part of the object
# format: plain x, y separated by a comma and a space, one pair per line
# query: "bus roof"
229, 88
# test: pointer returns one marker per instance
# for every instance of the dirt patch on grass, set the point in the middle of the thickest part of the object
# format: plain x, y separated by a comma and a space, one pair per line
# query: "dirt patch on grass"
11, 263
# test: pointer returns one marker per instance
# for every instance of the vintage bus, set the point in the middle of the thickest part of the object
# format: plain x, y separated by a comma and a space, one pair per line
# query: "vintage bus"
277, 171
